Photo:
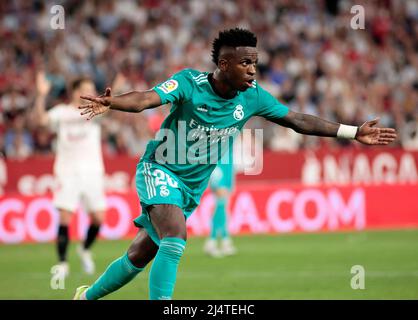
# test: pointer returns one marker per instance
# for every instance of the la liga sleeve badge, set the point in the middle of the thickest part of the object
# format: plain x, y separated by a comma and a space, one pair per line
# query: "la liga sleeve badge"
169, 86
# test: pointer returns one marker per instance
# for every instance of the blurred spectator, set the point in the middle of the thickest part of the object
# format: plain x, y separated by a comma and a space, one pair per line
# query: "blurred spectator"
284, 139
410, 128
138, 136
19, 148
120, 146
18, 141
2, 146
156, 118
13, 102
309, 57
410, 138
42, 140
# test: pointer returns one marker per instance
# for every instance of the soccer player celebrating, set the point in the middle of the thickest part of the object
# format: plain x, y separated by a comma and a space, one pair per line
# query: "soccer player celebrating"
221, 183
206, 110
78, 167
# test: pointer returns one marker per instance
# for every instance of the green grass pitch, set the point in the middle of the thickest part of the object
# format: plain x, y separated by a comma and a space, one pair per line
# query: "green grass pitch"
293, 266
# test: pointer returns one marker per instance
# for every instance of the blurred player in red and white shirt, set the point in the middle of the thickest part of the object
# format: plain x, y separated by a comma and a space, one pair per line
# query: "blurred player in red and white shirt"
78, 166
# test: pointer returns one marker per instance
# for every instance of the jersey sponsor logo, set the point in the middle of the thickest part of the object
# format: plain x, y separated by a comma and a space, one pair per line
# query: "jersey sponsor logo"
212, 134
169, 86
203, 108
239, 112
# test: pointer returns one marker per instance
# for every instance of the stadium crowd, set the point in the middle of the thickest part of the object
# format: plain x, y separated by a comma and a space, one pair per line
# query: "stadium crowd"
309, 58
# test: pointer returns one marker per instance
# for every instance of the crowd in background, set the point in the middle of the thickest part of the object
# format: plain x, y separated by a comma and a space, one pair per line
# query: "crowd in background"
309, 58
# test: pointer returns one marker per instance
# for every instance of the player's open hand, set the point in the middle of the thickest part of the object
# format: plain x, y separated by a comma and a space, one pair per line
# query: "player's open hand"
97, 105
369, 134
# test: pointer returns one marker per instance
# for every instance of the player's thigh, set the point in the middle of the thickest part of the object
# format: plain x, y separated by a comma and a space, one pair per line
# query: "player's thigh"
97, 217
94, 196
162, 197
67, 193
64, 217
157, 185
168, 220
142, 249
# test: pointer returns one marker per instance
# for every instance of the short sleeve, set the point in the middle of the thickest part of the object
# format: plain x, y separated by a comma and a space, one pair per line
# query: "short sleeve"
269, 107
175, 89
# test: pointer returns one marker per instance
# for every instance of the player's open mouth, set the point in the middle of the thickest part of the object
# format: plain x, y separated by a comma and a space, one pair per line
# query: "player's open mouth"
249, 83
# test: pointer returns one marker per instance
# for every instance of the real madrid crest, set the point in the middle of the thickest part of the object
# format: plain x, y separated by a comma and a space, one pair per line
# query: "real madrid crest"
238, 112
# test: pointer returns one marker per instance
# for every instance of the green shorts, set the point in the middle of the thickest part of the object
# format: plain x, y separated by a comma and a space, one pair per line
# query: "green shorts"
155, 184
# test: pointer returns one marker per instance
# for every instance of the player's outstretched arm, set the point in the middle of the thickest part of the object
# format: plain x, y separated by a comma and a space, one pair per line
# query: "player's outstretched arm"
311, 125
135, 101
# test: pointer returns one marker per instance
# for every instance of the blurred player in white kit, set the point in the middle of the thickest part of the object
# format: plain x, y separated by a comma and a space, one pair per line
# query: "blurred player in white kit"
78, 166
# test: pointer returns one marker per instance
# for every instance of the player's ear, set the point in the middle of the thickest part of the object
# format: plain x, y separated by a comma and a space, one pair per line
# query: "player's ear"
223, 64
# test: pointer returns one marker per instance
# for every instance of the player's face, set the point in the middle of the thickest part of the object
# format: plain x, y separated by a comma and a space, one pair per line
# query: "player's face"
242, 68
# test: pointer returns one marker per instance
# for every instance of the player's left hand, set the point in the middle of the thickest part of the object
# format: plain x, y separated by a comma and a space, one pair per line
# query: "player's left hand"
369, 134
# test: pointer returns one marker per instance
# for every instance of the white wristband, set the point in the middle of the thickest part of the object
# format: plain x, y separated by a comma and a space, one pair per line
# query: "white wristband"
347, 132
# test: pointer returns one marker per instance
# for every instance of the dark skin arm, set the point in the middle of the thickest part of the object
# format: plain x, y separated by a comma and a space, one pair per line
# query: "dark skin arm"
311, 125
134, 101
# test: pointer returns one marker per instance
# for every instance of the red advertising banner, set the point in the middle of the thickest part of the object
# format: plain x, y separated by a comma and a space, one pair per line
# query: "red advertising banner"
254, 208
34, 176
342, 166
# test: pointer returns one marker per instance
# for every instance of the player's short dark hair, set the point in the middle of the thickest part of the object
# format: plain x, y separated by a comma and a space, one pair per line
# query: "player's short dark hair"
76, 83
232, 38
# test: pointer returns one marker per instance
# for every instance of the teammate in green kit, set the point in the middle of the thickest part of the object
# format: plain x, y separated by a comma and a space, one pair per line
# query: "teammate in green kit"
207, 111
221, 184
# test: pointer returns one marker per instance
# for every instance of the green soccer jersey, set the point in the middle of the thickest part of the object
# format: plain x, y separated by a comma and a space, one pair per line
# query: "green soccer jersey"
201, 125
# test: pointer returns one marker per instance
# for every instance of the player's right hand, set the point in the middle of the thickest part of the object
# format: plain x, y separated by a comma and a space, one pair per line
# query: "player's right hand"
97, 105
